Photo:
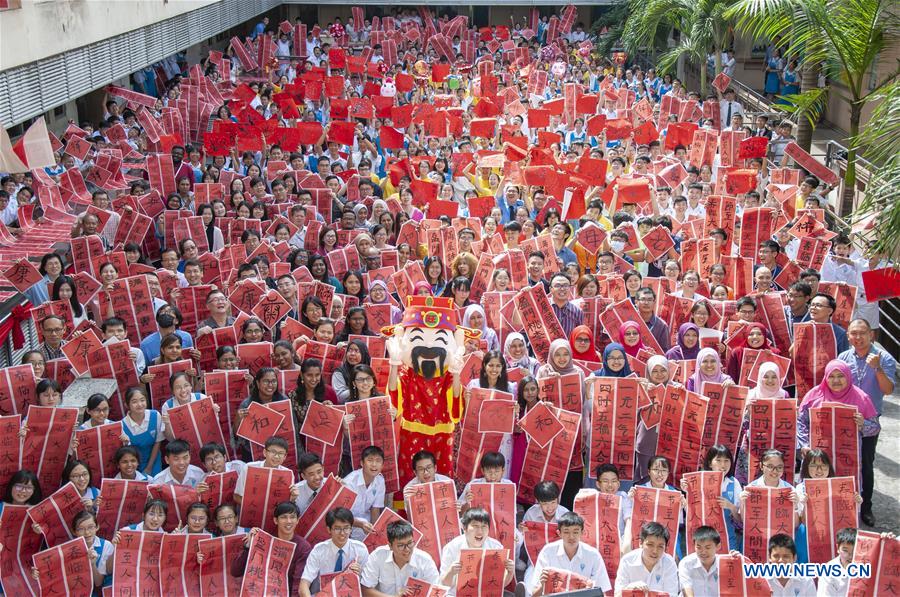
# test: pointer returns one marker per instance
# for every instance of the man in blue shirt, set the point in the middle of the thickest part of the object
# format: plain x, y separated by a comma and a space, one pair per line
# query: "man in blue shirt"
260, 28
873, 372
168, 318
508, 203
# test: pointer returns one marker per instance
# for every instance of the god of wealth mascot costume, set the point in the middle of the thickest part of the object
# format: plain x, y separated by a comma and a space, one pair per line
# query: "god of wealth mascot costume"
426, 353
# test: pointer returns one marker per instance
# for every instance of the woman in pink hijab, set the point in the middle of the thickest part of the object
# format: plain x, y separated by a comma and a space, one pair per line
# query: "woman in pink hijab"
837, 387
630, 338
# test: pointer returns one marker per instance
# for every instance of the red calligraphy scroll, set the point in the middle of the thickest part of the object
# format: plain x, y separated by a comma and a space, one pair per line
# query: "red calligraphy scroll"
20, 543
601, 513
331, 495
681, 427
215, 571
378, 535
17, 389
830, 506
220, 489
431, 508
757, 225
562, 581
97, 446
11, 448
136, 564
260, 423
47, 443
372, 426
614, 423
773, 424
121, 503
178, 498
723, 415
881, 553
286, 430
54, 514
655, 505
178, 566
703, 491
832, 428
197, 423
767, 511
814, 346
541, 424
845, 296
227, 389
345, 584
268, 566
66, 569
472, 442
499, 500
550, 463
810, 164
322, 422
734, 583
159, 385
482, 572
264, 488
541, 324
539, 534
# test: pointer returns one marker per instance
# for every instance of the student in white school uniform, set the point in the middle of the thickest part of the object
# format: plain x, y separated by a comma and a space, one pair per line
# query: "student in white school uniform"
390, 566
569, 553
832, 586
368, 483
179, 471
336, 554
312, 475
649, 567
128, 461
698, 572
547, 508
493, 468
274, 452
424, 466
783, 550
476, 523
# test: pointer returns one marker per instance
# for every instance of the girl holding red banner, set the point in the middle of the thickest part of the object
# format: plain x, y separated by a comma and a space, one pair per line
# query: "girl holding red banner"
756, 337
718, 459
144, 428
709, 369
581, 341
516, 352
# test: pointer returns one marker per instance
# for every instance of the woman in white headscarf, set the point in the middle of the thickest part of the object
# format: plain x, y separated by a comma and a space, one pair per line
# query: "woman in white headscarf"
768, 387
648, 419
515, 349
475, 318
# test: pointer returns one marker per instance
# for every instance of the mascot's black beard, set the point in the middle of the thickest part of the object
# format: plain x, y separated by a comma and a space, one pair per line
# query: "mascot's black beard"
428, 362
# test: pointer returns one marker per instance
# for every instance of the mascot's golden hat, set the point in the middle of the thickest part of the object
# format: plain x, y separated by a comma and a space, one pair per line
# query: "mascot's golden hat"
430, 312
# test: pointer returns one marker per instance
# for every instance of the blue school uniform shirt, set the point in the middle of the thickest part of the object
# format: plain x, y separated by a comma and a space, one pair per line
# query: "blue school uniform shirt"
145, 440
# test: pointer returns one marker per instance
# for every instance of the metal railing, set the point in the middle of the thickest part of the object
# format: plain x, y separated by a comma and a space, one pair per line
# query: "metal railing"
836, 156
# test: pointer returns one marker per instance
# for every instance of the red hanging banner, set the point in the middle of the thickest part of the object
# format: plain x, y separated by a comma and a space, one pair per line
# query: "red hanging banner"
372, 426
681, 428
550, 463
136, 564
724, 415
830, 507
66, 569
122, 504
814, 347
264, 488
331, 495
773, 424
655, 505
46, 444
268, 565
601, 513
767, 511
215, 571
704, 489
832, 428
614, 423
432, 509
482, 572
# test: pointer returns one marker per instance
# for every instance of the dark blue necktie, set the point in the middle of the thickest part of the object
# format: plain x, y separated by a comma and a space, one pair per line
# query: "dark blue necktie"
339, 564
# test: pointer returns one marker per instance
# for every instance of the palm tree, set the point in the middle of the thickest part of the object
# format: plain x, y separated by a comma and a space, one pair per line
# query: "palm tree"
845, 37
881, 140
703, 30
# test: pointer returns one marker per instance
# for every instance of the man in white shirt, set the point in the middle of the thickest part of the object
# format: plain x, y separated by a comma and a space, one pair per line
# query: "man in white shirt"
569, 553
783, 550
728, 106
390, 566
312, 474
698, 573
649, 567
215, 461
424, 466
547, 508
180, 471
368, 483
336, 554
493, 467
476, 523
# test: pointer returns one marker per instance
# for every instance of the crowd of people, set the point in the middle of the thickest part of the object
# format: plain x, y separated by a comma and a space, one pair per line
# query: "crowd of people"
478, 164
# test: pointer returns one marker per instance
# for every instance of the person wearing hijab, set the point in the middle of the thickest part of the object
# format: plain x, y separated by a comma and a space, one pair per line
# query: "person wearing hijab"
475, 318
422, 289
687, 345
378, 295
582, 342
630, 338
756, 337
768, 387
560, 362
615, 362
837, 387
648, 418
515, 349
709, 368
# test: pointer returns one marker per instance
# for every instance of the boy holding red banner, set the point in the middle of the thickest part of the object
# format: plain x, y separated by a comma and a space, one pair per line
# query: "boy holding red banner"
649, 568
783, 550
698, 572
476, 523
570, 553
334, 555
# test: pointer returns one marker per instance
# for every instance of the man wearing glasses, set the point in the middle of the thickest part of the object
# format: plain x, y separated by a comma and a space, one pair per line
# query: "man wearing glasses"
54, 328
646, 302
569, 315
334, 555
390, 566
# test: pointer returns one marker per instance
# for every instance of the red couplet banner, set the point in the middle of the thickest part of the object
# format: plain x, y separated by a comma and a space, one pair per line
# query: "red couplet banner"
227, 389
47, 443
814, 347
773, 424
482, 572
331, 495
832, 428
724, 414
197, 423
550, 462
830, 506
11, 448
656, 505
703, 492
882, 553
733, 582
539, 534
121, 504
97, 446
66, 569
499, 499
601, 512
432, 509
19, 544
767, 511
136, 564
54, 514
378, 535
614, 423
215, 571
263, 489
267, 566
473, 442
372, 426
681, 427
540, 323
561, 581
